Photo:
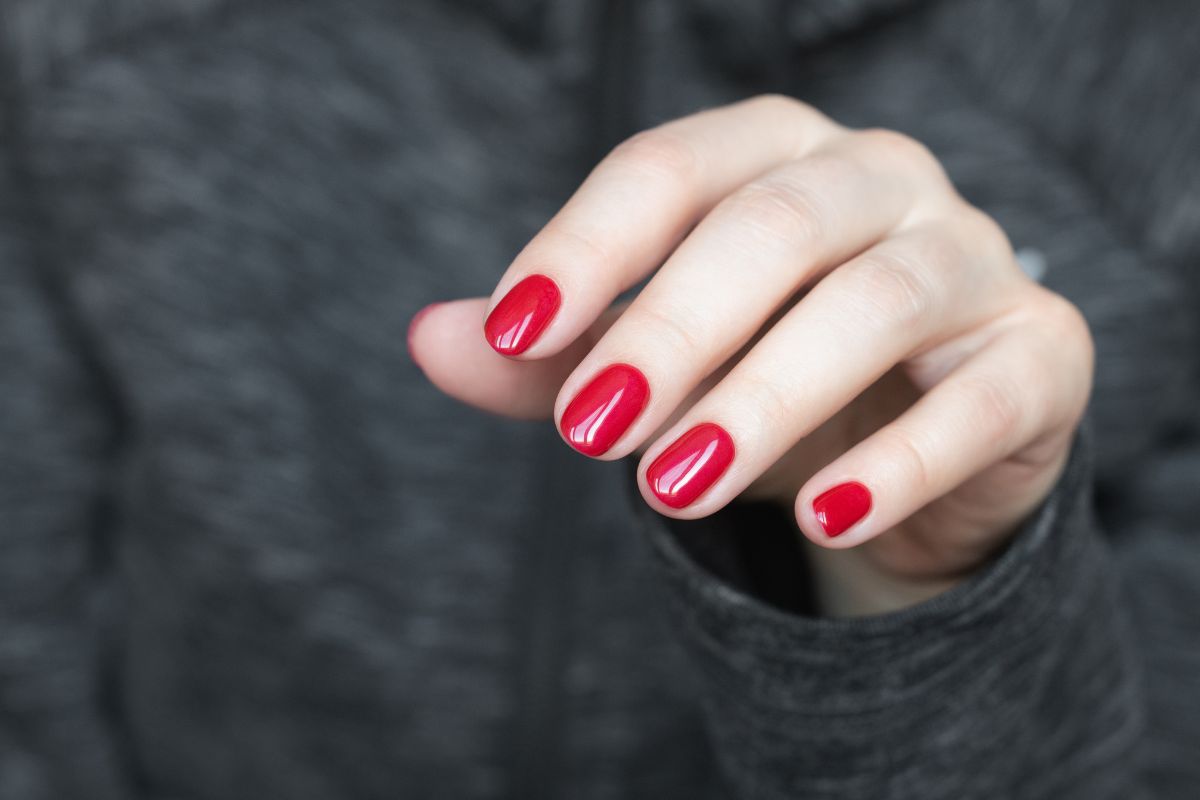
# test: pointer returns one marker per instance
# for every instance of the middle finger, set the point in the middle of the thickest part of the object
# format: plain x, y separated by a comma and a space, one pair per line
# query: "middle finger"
740, 264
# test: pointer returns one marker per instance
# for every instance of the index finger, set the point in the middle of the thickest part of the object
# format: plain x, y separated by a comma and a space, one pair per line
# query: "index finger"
632, 210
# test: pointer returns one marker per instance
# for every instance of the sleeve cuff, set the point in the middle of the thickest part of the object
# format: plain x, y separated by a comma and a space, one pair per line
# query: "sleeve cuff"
831, 702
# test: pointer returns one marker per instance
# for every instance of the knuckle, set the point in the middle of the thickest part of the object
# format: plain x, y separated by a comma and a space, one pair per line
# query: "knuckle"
996, 405
935, 252
985, 236
897, 146
790, 114
791, 108
1068, 321
780, 208
1073, 349
659, 152
673, 330
780, 103
896, 290
902, 447
776, 403
587, 250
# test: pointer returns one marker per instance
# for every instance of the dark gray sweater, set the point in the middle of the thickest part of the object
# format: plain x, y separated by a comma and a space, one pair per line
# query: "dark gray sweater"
246, 551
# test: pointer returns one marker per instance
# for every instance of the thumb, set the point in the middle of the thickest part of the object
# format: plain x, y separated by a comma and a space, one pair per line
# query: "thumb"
446, 341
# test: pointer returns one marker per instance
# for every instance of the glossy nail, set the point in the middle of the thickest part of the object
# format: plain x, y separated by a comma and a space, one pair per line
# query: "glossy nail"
412, 329
686, 469
841, 507
521, 315
604, 409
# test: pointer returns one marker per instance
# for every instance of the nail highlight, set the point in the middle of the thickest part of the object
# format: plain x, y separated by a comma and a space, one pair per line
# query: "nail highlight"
692, 464
839, 508
521, 315
604, 409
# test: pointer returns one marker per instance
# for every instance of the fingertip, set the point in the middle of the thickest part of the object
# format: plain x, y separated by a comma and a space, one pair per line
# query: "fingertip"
685, 480
445, 342
650, 496
413, 324
652, 499
835, 517
598, 416
522, 315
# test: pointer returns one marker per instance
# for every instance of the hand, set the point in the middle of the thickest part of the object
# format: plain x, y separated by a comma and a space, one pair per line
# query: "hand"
829, 324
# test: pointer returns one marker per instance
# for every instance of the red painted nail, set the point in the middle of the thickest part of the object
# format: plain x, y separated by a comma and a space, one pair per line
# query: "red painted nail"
521, 315
686, 469
604, 409
840, 507
412, 329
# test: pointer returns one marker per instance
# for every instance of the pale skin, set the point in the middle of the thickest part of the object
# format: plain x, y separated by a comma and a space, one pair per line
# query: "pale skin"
826, 297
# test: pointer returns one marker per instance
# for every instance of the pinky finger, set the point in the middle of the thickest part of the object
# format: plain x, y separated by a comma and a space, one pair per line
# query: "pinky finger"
1002, 400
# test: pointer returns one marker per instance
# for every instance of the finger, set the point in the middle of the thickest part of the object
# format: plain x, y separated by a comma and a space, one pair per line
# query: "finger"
746, 259
1019, 389
443, 340
626, 217
878, 309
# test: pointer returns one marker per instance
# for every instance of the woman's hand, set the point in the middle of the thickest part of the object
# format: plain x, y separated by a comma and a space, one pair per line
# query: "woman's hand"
828, 324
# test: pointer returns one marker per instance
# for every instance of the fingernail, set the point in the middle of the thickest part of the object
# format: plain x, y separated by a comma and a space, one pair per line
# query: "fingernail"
686, 469
604, 409
412, 329
840, 507
521, 315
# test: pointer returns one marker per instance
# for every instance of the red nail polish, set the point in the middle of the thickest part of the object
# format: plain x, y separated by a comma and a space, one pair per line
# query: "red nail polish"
521, 315
604, 409
412, 329
840, 507
686, 469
